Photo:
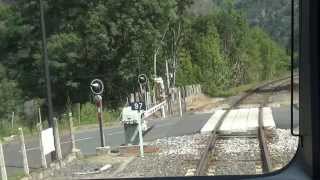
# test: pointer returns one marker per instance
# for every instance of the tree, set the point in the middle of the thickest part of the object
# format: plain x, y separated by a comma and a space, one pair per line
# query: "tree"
10, 95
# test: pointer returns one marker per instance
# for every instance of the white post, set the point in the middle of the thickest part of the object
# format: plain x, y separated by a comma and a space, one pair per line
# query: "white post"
24, 153
57, 139
2, 164
163, 112
167, 73
12, 119
131, 98
39, 115
73, 142
147, 100
79, 113
180, 105
43, 156
154, 98
140, 138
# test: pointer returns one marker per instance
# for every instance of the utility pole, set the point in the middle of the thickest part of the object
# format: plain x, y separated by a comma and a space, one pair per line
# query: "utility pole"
46, 70
46, 65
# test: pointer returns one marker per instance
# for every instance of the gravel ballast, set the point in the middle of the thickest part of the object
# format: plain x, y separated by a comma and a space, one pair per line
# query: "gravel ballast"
174, 159
235, 156
178, 156
282, 147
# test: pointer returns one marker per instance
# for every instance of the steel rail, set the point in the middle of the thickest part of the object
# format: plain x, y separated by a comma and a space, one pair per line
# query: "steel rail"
265, 153
203, 163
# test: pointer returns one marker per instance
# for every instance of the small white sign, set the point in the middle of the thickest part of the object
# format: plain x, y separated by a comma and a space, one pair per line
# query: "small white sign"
47, 141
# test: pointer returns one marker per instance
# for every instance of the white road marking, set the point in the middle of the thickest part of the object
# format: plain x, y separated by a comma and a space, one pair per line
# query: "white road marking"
114, 133
80, 139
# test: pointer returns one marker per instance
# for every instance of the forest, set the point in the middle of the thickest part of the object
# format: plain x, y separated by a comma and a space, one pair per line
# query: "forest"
115, 40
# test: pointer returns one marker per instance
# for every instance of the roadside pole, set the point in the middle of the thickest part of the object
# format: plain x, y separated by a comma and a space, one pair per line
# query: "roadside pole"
97, 88
79, 114
143, 81
24, 153
57, 139
2, 164
12, 119
163, 113
46, 70
72, 132
39, 115
180, 105
43, 156
140, 137
99, 107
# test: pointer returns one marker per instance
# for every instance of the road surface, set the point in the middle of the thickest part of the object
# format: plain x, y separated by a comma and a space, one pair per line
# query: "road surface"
88, 140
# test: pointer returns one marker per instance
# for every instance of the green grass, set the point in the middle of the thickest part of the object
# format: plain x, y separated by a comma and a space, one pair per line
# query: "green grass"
243, 88
239, 89
16, 176
89, 115
6, 130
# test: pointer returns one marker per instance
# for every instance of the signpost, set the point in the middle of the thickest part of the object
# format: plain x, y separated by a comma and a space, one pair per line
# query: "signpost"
97, 89
142, 79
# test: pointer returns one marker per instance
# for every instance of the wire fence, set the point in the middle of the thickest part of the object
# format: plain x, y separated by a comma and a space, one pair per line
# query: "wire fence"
12, 149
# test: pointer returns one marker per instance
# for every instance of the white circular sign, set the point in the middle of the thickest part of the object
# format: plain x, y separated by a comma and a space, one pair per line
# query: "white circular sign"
96, 86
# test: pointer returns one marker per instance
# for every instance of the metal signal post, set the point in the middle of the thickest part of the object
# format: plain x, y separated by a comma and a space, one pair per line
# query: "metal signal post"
97, 88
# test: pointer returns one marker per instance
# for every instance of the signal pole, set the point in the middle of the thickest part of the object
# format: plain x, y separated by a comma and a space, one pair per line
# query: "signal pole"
97, 89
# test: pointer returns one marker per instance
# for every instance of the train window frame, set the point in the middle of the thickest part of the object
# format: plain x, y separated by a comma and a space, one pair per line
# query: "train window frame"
305, 163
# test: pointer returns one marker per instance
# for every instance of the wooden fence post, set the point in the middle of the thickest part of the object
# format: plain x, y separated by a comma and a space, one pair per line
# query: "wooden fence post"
12, 119
79, 113
24, 153
39, 115
163, 112
2, 164
72, 132
43, 156
180, 105
57, 139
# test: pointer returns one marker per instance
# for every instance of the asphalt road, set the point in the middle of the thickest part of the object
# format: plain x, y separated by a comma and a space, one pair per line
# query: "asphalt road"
88, 140
190, 123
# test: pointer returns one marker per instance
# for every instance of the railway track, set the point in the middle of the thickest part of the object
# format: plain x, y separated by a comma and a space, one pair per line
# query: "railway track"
253, 156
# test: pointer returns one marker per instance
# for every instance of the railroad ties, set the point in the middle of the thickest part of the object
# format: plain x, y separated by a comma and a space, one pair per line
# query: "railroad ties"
237, 143
239, 121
